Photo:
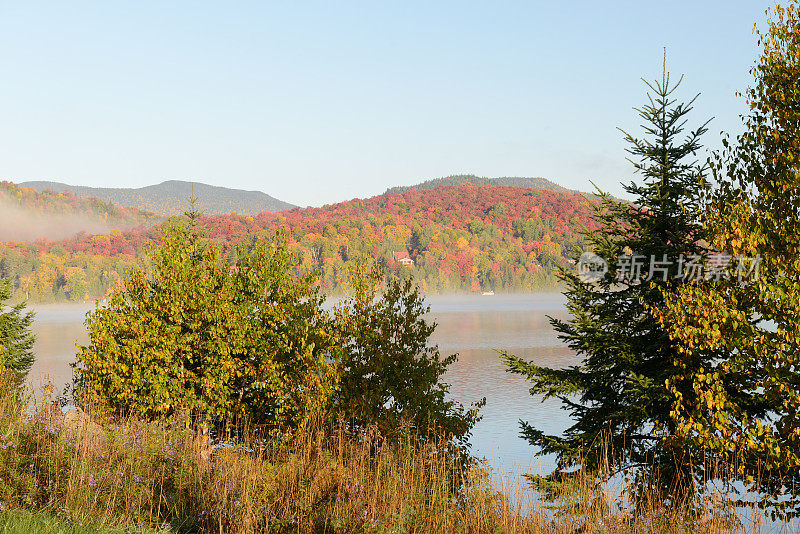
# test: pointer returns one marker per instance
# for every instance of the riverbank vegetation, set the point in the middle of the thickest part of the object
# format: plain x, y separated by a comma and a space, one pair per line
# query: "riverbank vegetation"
128, 474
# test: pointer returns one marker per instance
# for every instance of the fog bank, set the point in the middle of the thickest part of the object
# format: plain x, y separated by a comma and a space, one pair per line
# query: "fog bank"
19, 224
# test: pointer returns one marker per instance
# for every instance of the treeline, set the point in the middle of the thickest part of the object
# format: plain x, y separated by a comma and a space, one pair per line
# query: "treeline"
457, 238
72, 270
462, 179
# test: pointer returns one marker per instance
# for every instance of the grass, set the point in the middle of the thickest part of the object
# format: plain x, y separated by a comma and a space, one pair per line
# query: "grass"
25, 522
61, 474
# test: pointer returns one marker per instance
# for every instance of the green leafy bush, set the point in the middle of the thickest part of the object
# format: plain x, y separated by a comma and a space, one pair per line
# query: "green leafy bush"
389, 376
216, 340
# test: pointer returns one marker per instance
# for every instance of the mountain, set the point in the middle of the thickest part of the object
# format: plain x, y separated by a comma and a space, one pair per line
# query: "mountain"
453, 238
169, 198
461, 179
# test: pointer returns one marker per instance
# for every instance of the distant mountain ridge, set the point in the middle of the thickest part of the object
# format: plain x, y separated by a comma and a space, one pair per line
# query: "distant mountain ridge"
169, 198
461, 179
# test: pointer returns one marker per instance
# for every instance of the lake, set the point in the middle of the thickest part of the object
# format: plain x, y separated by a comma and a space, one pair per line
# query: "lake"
473, 326
476, 327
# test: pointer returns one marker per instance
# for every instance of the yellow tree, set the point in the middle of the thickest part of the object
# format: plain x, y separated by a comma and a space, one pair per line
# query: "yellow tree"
747, 322
196, 334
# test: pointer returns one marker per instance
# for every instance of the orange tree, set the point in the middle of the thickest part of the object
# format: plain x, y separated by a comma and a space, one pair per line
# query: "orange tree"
748, 328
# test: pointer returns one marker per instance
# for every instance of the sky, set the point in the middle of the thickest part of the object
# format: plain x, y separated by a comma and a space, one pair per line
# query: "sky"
320, 102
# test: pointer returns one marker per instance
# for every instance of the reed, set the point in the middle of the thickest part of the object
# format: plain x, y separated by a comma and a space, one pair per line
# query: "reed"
130, 473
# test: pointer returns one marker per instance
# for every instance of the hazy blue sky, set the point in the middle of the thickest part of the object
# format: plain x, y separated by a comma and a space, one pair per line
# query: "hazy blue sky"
317, 102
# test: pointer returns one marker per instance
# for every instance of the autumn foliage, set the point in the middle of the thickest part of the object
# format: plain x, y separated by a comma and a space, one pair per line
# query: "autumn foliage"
748, 330
460, 238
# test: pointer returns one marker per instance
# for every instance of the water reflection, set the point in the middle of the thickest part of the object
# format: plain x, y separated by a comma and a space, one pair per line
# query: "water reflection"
476, 327
58, 328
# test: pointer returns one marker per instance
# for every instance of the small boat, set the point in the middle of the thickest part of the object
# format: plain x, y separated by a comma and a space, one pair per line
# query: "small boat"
488, 293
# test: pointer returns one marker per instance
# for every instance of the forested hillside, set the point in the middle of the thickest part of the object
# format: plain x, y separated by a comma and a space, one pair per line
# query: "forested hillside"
28, 215
462, 179
169, 198
459, 238
450, 239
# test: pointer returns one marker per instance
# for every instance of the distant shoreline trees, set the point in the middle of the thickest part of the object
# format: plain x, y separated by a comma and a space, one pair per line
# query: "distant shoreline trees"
461, 239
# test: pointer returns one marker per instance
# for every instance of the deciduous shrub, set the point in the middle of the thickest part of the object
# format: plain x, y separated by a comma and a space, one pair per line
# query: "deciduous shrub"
389, 375
219, 341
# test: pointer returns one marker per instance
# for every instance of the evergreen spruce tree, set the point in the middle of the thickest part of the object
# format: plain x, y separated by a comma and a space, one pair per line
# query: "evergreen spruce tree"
617, 397
16, 339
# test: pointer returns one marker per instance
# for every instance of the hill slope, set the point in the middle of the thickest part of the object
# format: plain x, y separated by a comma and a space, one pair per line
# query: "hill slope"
461, 179
449, 239
27, 215
169, 198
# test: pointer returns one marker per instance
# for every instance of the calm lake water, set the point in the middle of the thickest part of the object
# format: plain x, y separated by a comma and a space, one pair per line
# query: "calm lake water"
472, 326
476, 327
58, 328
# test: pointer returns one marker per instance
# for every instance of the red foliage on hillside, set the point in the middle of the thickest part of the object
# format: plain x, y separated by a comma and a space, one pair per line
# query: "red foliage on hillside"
459, 238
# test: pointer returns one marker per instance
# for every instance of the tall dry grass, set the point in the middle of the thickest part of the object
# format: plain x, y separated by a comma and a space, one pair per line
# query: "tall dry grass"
162, 475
